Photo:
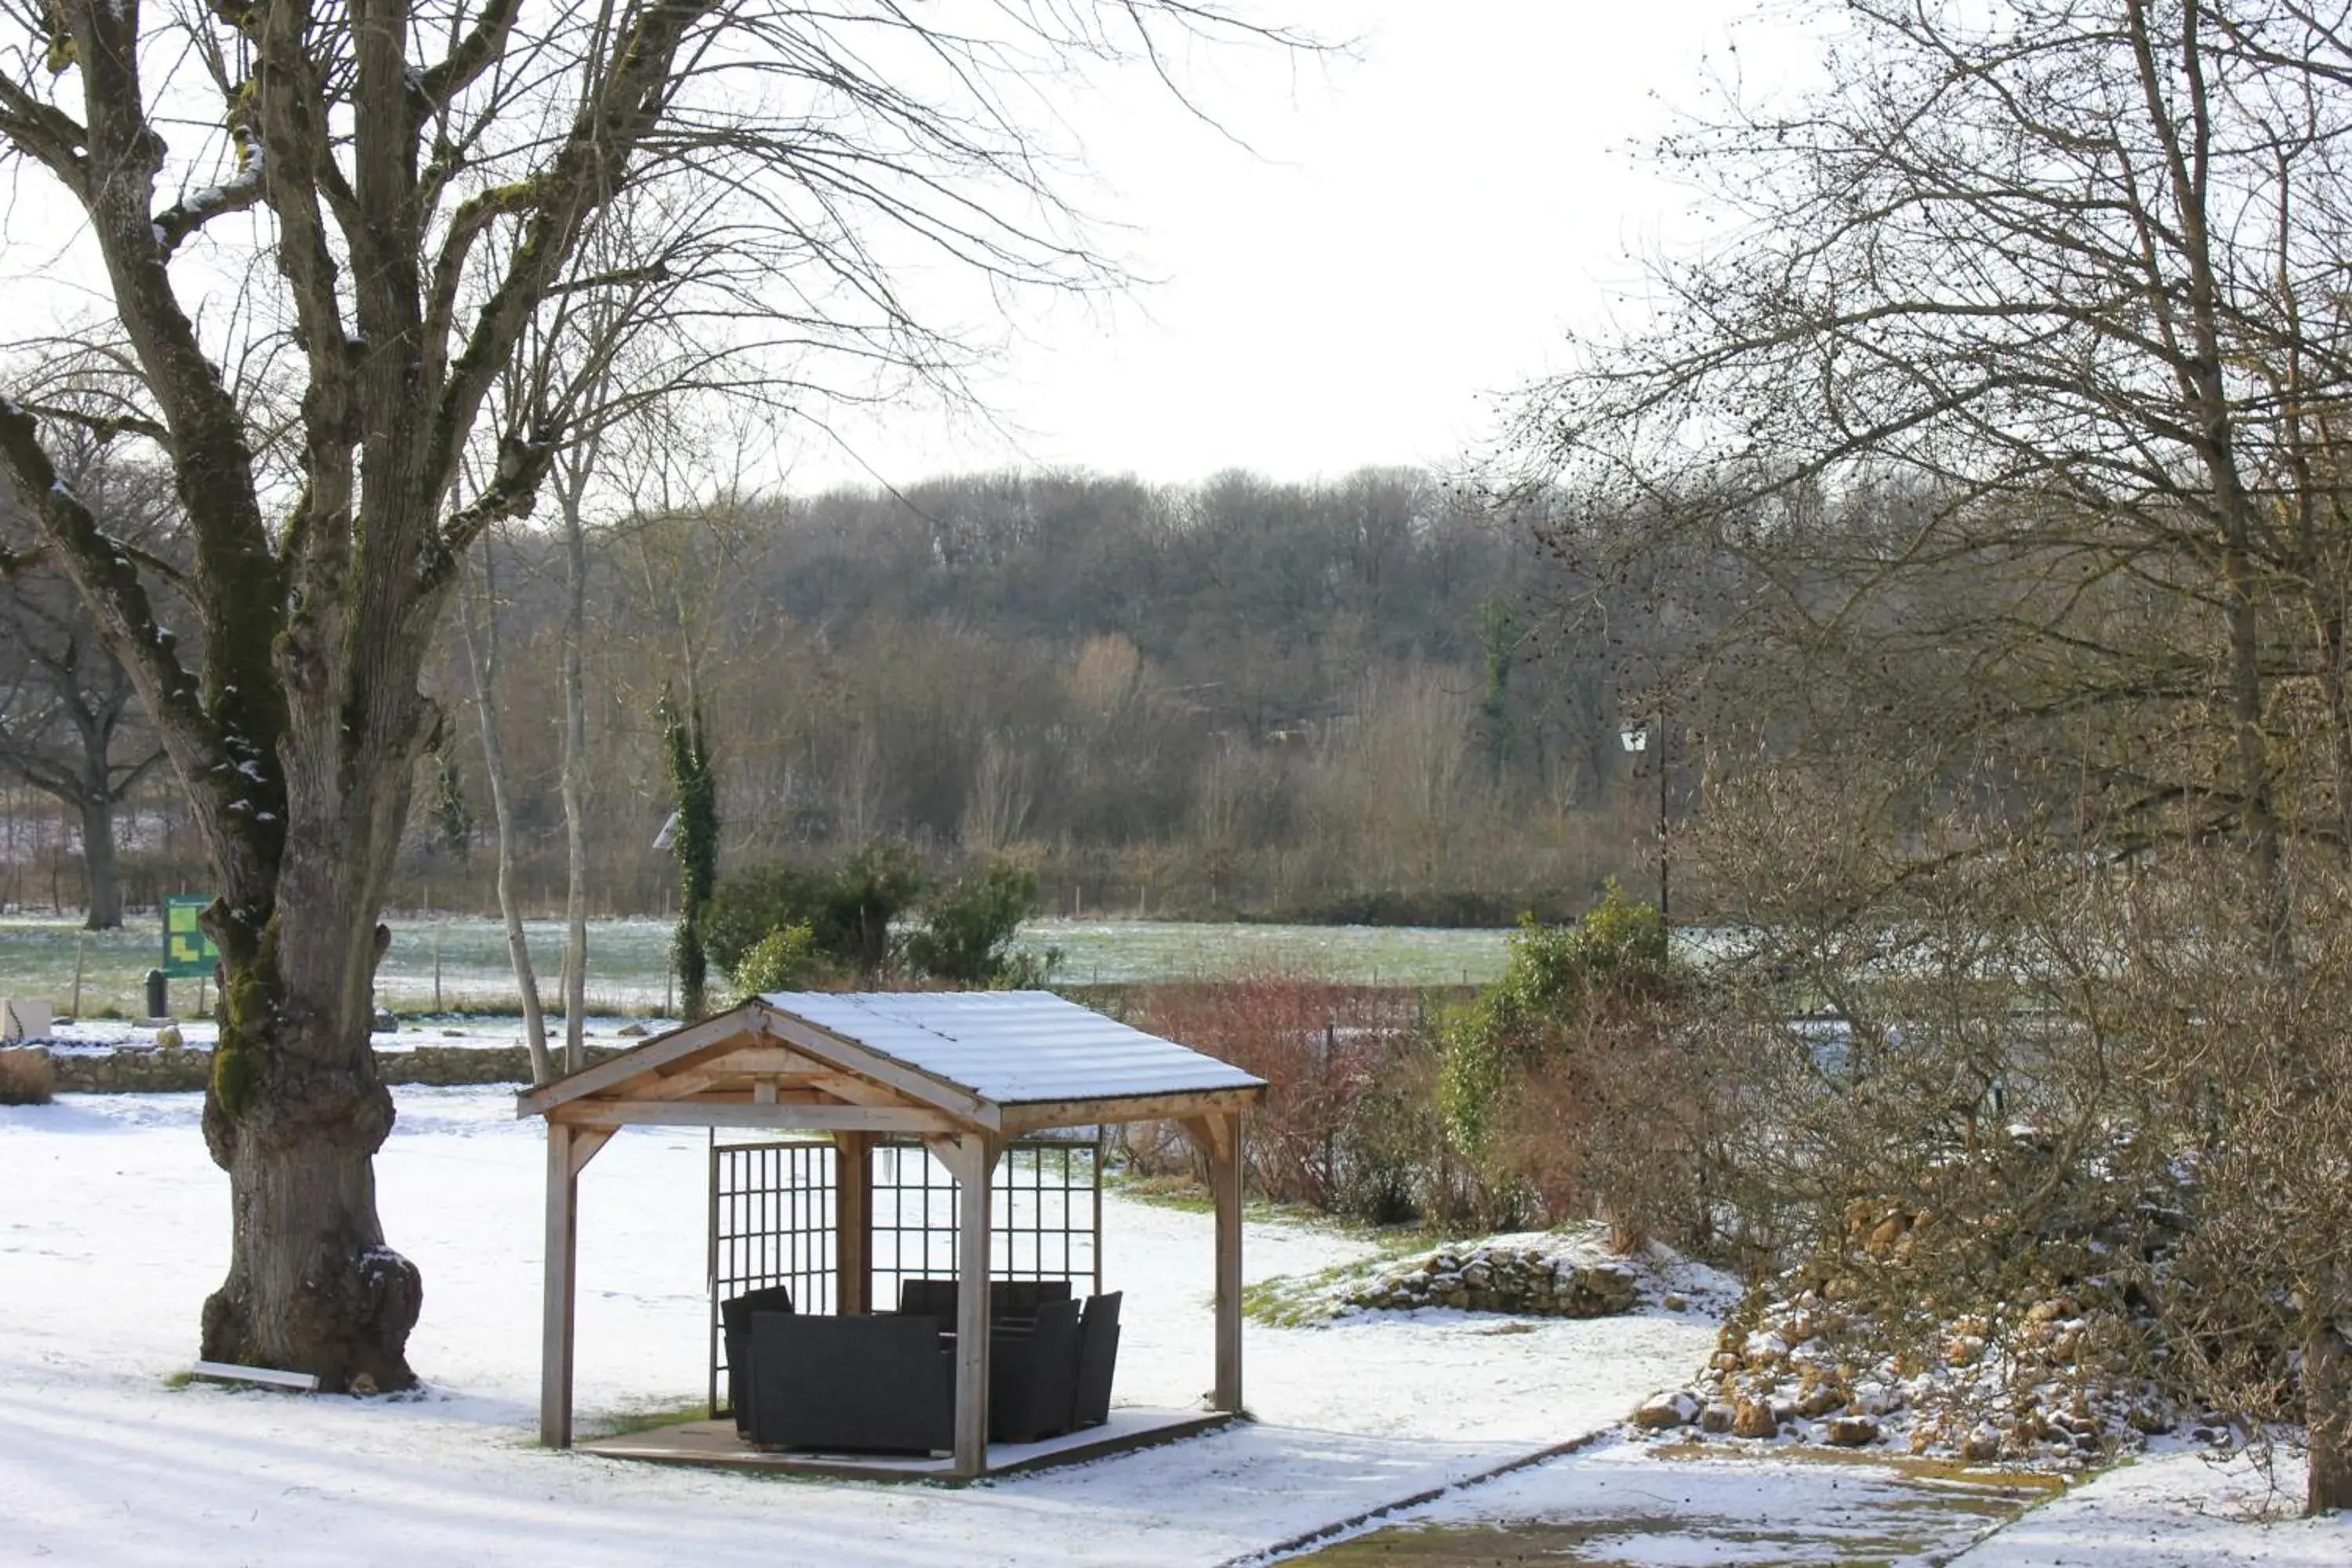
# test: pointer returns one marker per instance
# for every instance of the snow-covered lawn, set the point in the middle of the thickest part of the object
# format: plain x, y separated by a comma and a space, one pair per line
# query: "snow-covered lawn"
114, 1227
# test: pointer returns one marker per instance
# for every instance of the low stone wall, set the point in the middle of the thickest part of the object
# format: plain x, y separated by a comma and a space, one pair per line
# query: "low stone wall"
168, 1070
1530, 1279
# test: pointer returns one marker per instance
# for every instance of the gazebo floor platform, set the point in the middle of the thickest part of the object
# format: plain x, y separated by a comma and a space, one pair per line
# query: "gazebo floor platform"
715, 1444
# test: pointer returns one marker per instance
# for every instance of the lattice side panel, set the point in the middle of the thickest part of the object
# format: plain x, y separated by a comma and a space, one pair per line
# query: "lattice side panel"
1046, 1222
771, 1223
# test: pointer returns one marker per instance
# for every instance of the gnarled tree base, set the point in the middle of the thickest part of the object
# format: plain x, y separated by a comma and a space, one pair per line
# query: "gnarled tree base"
312, 1286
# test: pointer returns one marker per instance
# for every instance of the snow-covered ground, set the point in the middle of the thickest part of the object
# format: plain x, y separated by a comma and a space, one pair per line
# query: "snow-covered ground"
114, 1227
1634, 1505
2174, 1509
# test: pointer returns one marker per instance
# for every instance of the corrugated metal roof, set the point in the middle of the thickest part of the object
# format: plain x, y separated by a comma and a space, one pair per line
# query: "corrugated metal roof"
1014, 1047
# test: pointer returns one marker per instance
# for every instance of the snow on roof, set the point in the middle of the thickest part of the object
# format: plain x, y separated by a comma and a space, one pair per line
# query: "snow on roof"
1012, 1047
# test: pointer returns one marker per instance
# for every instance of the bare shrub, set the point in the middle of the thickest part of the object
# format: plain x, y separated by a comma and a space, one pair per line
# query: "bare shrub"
1986, 1077
1395, 1163
1566, 1092
2235, 1075
1569, 1088
1617, 1127
26, 1078
1322, 1047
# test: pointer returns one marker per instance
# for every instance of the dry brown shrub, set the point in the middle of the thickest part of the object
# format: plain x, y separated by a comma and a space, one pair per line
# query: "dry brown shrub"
1320, 1047
26, 1076
1617, 1126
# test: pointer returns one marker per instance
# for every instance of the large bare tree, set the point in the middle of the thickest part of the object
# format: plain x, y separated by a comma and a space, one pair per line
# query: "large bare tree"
2041, 297
415, 183
2018, 401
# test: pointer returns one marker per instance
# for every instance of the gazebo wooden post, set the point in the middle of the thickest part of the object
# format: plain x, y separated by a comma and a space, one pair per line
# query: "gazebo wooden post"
555, 1305
974, 1166
852, 1223
1218, 1136
568, 1150
1225, 1167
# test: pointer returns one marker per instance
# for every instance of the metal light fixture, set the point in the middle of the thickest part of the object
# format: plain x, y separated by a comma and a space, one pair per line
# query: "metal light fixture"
1634, 736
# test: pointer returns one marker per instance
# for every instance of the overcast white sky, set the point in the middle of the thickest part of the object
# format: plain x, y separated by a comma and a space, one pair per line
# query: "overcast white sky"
1407, 233
1398, 237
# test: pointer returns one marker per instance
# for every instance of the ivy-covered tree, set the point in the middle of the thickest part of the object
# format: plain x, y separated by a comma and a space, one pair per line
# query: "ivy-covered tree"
451, 815
694, 839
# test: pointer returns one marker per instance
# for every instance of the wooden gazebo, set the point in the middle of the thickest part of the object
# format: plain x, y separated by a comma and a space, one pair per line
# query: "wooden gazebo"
963, 1071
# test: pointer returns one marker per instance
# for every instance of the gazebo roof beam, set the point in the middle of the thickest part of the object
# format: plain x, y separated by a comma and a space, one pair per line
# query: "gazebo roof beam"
1039, 1117
851, 1057
783, 1116
679, 1051
732, 1093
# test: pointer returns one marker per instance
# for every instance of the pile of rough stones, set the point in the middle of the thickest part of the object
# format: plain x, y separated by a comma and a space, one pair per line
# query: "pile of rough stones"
1529, 1278
2050, 1384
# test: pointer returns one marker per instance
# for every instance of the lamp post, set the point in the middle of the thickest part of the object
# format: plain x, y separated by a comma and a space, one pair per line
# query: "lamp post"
1635, 737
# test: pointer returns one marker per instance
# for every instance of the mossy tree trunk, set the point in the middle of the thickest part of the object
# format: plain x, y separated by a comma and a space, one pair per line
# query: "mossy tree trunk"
295, 1111
297, 740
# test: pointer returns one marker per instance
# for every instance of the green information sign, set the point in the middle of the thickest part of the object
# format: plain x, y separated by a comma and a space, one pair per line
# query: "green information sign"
187, 951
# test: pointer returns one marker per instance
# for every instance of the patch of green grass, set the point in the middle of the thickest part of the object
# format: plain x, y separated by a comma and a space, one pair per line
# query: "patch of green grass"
652, 1417
1164, 1191
1294, 1300
178, 1380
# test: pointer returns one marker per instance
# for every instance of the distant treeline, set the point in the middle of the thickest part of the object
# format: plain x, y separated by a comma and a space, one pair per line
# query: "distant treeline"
1334, 700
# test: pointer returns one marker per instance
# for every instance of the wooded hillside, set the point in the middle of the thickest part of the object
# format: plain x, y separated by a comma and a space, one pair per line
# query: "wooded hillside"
1332, 700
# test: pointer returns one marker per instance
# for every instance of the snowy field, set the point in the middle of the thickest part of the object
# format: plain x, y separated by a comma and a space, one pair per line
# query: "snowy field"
461, 959
113, 1228
99, 1035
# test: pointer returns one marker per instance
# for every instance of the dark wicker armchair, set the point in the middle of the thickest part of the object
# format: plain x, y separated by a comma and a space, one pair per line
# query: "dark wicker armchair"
735, 1325
1032, 1374
1098, 1360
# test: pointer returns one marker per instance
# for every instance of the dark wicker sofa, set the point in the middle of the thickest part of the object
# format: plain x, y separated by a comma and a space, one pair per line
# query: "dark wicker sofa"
886, 1382
1015, 1299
